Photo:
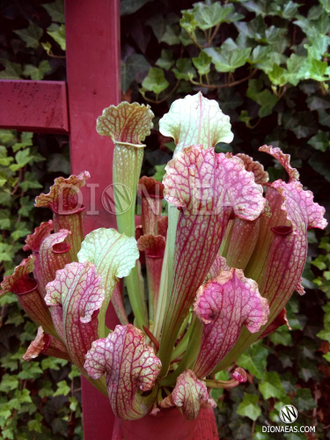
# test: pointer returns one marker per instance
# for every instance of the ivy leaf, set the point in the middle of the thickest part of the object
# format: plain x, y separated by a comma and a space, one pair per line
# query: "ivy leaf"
20, 232
321, 165
184, 69
324, 334
327, 355
326, 5
170, 35
160, 172
324, 118
259, 54
297, 68
302, 124
4, 159
188, 21
273, 34
58, 34
208, 16
135, 66
229, 57
37, 73
166, 59
5, 219
284, 9
249, 407
317, 70
29, 371
277, 76
271, 386
307, 370
62, 389
202, 63
264, 98
35, 424
304, 400
128, 7
281, 336
12, 71
26, 206
229, 99
155, 81
316, 102
22, 158
47, 47
30, 181
58, 163
55, 10
320, 141
260, 7
255, 360
53, 363
9, 383
31, 35
254, 29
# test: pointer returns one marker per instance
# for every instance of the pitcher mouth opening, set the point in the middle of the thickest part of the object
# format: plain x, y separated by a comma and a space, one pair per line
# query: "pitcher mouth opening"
25, 286
69, 212
282, 230
61, 248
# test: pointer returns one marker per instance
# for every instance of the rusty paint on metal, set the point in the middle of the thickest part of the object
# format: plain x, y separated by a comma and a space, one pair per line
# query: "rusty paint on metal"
38, 106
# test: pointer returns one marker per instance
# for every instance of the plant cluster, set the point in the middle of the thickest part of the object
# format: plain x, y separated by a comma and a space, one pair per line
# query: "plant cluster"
293, 115
221, 266
298, 123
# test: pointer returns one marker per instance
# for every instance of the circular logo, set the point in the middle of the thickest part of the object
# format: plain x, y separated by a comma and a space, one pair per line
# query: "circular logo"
116, 196
288, 414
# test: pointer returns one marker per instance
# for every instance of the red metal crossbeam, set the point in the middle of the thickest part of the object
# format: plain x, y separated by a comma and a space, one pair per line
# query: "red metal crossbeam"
38, 106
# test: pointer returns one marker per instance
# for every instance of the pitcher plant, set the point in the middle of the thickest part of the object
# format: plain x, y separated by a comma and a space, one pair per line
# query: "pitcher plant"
218, 254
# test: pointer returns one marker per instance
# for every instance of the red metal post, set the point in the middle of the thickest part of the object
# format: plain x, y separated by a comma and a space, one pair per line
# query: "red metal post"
38, 106
93, 73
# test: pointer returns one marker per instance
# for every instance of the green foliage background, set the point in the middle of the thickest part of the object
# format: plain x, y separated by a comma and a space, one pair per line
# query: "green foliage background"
266, 62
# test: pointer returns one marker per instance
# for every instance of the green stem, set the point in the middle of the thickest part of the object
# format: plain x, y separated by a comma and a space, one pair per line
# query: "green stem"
183, 344
221, 384
166, 280
127, 162
190, 355
136, 296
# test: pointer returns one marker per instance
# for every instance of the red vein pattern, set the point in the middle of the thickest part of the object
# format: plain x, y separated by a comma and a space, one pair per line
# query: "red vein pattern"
190, 394
129, 123
114, 255
28, 294
240, 240
65, 201
260, 175
151, 193
33, 241
47, 345
196, 120
287, 253
280, 254
284, 160
224, 305
53, 255
208, 189
75, 297
129, 364
63, 196
154, 248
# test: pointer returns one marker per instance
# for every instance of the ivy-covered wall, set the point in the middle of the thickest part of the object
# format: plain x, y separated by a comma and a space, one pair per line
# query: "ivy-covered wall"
266, 62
